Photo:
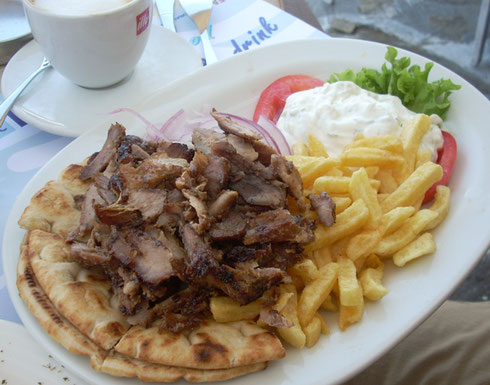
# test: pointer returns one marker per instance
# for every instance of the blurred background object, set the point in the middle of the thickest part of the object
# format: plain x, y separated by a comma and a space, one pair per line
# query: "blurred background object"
446, 31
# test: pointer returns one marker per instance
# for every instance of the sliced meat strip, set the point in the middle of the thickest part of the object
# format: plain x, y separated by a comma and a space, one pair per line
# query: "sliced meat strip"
176, 150
239, 163
200, 206
87, 256
217, 174
200, 256
101, 160
204, 139
103, 188
118, 215
223, 203
153, 264
290, 175
264, 152
278, 226
232, 227
324, 206
256, 191
273, 318
240, 253
233, 126
87, 218
151, 172
134, 148
150, 203
283, 255
243, 147
244, 283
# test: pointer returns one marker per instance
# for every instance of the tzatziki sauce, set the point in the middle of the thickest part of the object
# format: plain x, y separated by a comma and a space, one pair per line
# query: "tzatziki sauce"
336, 112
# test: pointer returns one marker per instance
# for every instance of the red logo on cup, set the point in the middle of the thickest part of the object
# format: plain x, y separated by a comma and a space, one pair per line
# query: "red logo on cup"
142, 21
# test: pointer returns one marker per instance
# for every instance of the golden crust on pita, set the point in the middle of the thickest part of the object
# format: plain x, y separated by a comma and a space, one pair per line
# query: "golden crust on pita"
70, 179
51, 209
211, 346
118, 365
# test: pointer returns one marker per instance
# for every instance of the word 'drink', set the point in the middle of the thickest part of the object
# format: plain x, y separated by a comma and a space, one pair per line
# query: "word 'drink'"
254, 39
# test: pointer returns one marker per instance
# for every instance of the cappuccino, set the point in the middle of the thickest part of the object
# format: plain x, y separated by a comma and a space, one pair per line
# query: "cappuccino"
78, 7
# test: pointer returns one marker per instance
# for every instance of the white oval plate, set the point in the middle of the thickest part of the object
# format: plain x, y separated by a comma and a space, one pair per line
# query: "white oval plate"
415, 291
54, 104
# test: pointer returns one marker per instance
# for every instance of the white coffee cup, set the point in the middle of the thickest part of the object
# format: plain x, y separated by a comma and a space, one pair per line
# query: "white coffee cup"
92, 47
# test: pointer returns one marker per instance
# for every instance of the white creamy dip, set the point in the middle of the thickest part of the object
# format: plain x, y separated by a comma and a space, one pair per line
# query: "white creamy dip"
335, 113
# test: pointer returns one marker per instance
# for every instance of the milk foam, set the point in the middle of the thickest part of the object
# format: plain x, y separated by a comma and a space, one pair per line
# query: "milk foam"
78, 7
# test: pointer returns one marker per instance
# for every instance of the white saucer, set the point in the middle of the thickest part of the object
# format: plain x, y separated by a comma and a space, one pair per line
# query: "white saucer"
13, 23
54, 104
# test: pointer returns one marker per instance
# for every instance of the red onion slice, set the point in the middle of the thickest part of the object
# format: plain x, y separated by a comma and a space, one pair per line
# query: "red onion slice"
275, 133
179, 127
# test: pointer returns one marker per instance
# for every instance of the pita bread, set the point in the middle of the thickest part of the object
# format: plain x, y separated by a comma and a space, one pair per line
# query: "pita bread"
51, 209
116, 364
82, 297
50, 319
70, 179
211, 346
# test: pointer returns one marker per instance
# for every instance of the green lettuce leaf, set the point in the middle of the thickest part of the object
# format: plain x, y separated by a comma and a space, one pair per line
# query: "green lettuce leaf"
409, 83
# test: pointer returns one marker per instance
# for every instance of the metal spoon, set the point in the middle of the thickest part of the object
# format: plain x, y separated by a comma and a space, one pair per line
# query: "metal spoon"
7, 103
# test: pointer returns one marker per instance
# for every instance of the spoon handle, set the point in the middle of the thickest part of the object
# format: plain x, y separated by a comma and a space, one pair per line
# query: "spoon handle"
9, 101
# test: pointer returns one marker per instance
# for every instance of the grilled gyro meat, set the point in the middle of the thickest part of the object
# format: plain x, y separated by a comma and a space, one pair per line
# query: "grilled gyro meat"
172, 225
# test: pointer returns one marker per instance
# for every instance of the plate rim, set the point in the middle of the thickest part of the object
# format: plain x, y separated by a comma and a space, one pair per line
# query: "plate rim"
483, 244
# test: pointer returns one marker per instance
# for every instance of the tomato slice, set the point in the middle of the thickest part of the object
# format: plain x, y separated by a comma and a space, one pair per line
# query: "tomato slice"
446, 158
273, 98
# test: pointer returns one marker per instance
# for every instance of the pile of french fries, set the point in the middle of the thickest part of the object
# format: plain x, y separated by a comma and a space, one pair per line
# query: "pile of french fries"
378, 185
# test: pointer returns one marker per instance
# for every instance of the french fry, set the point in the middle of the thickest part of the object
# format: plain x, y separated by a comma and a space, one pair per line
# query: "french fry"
412, 135
339, 248
423, 156
360, 188
324, 325
421, 246
306, 270
349, 290
334, 172
363, 244
390, 244
330, 304
338, 184
372, 171
315, 293
312, 331
349, 315
341, 203
301, 148
224, 309
348, 222
387, 143
322, 256
388, 183
368, 156
293, 335
440, 206
373, 262
414, 187
372, 287
310, 167
394, 218
316, 147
